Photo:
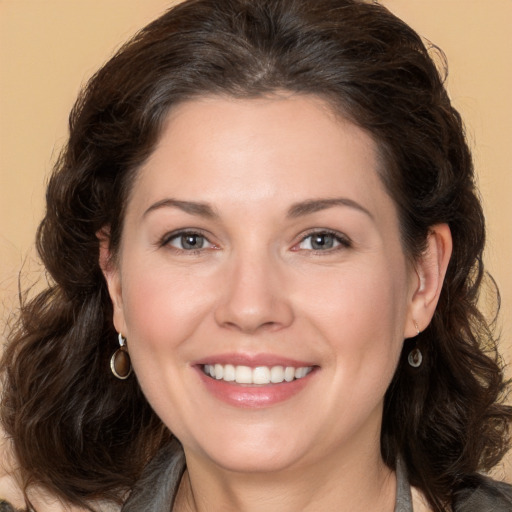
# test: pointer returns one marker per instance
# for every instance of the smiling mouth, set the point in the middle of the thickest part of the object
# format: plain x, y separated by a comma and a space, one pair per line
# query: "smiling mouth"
260, 375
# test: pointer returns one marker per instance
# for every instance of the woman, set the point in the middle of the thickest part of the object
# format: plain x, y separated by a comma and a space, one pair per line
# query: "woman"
266, 209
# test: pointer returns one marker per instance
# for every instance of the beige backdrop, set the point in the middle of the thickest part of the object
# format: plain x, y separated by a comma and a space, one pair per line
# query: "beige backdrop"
48, 48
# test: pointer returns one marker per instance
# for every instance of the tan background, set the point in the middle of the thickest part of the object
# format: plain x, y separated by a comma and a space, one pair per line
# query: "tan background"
48, 48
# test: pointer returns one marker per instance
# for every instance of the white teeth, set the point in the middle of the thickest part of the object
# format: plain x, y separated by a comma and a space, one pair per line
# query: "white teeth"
257, 375
261, 375
289, 373
229, 373
219, 371
243, 375
300, 372
276, 374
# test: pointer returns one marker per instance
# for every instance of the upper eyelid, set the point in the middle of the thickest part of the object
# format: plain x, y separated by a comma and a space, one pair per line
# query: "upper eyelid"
333, 232
344, 241
166, 238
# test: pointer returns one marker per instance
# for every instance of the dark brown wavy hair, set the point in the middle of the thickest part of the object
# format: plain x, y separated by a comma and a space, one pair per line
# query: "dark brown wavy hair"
84, 435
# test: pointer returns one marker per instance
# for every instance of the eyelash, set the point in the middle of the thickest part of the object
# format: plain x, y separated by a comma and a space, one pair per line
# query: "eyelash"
342, 241
166, 240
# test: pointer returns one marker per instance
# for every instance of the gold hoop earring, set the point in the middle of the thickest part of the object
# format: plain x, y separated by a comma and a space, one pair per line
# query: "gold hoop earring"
120, 363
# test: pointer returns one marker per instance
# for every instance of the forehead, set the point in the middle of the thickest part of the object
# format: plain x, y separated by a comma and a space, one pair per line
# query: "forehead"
293, 144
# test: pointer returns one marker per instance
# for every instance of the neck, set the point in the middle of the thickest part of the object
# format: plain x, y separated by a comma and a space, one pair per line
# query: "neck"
358, 481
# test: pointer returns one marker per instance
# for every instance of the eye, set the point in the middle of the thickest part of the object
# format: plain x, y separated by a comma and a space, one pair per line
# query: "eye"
322, 241
188, 241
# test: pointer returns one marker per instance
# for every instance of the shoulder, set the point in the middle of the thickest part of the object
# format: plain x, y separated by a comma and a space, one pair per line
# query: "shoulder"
482, 494
159, 482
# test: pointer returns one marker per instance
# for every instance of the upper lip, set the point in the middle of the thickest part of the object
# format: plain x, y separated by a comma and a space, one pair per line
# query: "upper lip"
252, 360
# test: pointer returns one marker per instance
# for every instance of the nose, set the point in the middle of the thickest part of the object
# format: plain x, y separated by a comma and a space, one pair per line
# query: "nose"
254, 296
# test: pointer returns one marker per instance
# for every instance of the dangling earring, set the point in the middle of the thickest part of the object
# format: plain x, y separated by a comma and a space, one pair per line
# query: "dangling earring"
415, 357
120, 363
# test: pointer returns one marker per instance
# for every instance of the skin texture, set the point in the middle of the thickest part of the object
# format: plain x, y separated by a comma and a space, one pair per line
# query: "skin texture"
256, 288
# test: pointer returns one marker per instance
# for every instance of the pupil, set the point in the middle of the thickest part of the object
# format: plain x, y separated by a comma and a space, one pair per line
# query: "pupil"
322, 241
192, 241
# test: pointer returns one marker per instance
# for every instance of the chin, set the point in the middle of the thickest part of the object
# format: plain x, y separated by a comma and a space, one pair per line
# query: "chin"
252, 453
260, 461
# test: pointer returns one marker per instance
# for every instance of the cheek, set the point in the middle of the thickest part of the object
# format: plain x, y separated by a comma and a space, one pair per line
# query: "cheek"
361, 312
163, 305
374, 296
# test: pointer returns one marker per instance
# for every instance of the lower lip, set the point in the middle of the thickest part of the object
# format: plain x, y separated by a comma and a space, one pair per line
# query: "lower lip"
253, 397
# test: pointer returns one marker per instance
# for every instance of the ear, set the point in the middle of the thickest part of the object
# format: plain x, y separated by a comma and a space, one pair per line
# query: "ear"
430, 272
110, 269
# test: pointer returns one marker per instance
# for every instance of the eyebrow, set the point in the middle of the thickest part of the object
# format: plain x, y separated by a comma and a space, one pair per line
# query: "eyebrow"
296, 210
316, 205
190, 207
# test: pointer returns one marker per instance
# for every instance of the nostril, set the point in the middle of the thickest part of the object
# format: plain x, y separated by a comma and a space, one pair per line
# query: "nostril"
252, 301
250, 328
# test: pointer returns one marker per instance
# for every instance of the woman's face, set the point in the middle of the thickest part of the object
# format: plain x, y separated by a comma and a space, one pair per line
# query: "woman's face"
259, 241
